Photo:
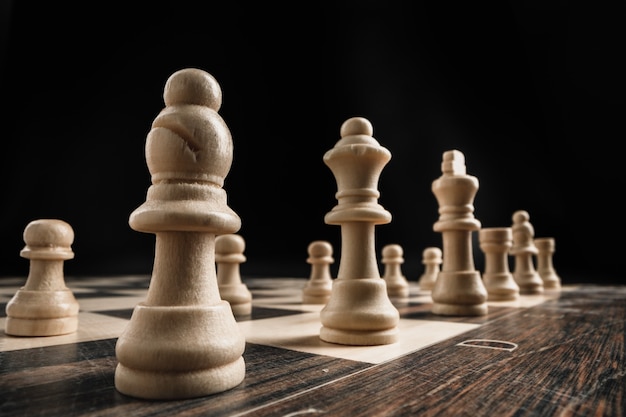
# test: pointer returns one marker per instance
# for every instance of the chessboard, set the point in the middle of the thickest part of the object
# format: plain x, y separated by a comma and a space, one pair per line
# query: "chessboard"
557, 353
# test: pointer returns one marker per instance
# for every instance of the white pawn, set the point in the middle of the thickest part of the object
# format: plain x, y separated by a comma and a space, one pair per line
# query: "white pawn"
229, 256
545, 266
431, 258
359, 311
397, 284
183, 341
523, 250
495, 243
44, 306
319, 286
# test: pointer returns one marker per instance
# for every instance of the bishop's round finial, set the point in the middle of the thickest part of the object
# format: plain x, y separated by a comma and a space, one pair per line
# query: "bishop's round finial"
192, 86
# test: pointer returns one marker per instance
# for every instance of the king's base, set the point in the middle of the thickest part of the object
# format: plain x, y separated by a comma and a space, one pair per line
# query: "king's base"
359, 338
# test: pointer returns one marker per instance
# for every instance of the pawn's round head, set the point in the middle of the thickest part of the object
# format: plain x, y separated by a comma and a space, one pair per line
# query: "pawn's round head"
392, 251
229, 243
520, 216
319, 248
48, 239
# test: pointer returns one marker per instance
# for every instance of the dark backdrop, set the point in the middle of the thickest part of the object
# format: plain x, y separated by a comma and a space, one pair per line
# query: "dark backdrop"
531, 92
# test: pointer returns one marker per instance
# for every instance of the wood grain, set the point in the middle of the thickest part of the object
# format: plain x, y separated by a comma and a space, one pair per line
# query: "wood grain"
564, 357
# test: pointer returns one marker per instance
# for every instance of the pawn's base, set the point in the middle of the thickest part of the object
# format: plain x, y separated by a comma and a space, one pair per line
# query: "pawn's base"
426, 285
242, 309
398, 290
550, 281
42, 313
529, 283
41, 327
315, 298
459, 309
501, 287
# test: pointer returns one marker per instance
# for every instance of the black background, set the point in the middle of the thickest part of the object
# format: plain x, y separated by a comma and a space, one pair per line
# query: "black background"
531, 92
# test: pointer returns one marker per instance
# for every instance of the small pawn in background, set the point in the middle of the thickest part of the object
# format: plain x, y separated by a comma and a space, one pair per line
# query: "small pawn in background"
459, 290
359, 311
524, 250
397, 284
183, 341
319, 286
545, 265
495, 243
432, 259
229, 256
44, 306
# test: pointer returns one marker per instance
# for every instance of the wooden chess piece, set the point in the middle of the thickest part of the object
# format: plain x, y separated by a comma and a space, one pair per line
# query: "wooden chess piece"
44, 306
523, 250
495, 243
229, 256
183, 340
397, 284
459, 289
319, 286
432, 259
545, 264
359, 311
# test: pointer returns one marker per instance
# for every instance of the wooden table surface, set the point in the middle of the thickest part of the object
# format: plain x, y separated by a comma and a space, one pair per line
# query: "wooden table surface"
564, 356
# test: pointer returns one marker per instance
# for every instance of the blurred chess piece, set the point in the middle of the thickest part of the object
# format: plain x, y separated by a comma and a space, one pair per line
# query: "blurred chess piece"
319, 286
524, 250
432, 259
359, 311
183, 341
495, 243
545, 265
459, 289
229, 256
44, 306
397, 284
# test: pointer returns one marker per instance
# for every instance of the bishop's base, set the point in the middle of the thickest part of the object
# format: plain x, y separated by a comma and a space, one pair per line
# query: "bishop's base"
161, 385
